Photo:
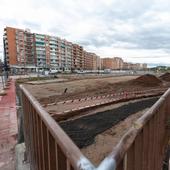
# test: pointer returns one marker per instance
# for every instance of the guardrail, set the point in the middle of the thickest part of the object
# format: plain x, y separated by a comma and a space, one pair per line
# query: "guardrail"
141, 148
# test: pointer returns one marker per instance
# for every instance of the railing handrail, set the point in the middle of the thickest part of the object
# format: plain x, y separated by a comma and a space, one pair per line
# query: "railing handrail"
69, 148
78, 160
126, 141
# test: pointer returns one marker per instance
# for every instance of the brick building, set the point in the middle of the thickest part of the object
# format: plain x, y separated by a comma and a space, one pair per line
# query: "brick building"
92, 61
78, 58
30, 51
117, 63
107, 63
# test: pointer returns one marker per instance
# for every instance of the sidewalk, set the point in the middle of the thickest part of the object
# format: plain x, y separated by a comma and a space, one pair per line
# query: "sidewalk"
8, 128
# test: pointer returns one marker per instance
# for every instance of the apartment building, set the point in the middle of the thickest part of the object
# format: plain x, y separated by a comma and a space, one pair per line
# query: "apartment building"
32, 51
107, 63
78, 58
19, 49
134, 66
88, 61
10, 49
26, 50
92, 61
53, 52
117, 63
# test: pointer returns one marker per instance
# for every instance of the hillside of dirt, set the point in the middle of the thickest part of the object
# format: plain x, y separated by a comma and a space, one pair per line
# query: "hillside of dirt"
54, 92
47, 93
165, 77
147, 80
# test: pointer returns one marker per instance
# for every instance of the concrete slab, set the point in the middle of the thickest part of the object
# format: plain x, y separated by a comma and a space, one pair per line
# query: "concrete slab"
21, 164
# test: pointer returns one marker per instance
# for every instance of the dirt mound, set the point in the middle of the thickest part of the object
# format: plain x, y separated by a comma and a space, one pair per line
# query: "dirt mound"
165, 77
147, 80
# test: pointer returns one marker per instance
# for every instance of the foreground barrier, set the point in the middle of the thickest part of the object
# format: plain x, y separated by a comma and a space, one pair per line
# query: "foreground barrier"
141, 148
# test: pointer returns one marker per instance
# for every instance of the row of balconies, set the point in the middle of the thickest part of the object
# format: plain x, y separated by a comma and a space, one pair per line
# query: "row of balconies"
39, 36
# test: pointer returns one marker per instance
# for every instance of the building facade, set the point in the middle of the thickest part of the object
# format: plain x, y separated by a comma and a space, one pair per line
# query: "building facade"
32, 51
26, 50
117, 63
53, 52
19, 48
92, 61
78, 62
107, 63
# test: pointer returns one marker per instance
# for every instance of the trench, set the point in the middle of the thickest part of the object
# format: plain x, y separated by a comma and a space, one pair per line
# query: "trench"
84, 129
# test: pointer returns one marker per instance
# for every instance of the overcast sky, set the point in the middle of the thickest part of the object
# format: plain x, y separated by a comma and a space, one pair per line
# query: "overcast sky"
136, 30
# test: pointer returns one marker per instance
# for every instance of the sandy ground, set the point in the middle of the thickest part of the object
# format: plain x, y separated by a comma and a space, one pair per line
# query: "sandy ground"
76, 88
107, 140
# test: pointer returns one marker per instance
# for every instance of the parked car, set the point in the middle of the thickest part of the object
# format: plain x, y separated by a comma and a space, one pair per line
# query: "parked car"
53, 71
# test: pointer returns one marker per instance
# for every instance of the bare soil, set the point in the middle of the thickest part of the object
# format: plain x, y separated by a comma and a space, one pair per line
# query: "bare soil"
165, 77
54, 92
147, 80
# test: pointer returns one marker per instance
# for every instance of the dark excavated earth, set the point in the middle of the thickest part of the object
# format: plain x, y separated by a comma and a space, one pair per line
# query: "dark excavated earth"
84, 130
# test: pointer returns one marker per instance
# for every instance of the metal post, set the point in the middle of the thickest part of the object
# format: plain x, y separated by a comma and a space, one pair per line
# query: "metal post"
2, 81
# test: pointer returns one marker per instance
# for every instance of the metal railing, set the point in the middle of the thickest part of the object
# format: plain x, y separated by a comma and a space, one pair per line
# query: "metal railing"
141, 148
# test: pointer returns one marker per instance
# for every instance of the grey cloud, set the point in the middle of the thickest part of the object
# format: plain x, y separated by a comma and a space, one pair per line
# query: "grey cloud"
32, 25
154, 37
58, 31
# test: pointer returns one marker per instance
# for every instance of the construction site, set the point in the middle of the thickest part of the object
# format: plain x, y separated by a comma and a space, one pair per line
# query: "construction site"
95, 112
85, 122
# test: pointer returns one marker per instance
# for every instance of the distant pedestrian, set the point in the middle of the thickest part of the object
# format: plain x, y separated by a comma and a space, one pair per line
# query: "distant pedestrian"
65, 91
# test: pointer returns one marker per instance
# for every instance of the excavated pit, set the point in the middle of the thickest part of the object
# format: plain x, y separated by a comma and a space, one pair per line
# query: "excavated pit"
84, 129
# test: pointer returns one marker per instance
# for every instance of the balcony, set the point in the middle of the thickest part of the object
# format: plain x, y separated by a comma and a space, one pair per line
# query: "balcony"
39, 36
